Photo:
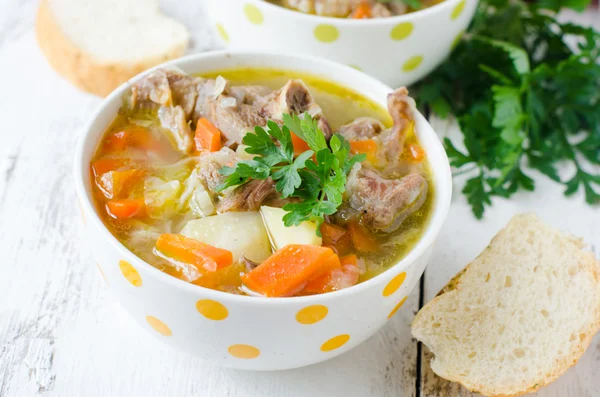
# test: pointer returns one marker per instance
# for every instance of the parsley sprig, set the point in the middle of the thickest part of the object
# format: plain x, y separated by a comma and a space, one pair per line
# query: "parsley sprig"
319, 184
524, 99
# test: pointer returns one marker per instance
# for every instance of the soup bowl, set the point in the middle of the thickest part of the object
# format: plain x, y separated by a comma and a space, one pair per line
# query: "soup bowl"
397, 50
254, 332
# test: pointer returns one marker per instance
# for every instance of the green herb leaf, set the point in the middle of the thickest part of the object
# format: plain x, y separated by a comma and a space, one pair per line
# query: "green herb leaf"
524, 98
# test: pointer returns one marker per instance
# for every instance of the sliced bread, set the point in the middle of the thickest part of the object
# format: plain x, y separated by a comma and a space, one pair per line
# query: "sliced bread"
518, 316
99, 44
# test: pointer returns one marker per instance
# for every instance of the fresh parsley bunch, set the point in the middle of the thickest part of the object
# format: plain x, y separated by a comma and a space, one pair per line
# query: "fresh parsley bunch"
319, 183
523, 99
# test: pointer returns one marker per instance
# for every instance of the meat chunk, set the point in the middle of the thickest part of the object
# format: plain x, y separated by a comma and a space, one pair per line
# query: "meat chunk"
247, 197
401, 108
166, 87
294, 98
335, 8
173, 119
385, 203
361, 128
379, 10
233, 119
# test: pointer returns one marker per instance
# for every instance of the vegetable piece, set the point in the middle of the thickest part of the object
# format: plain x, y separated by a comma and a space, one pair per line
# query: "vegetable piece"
115, 184
336, 237
319, 182
415, 152
299, 145
363, 11
131, 136
510, 85
161, 196
208, 136
201, 204
287, 271
188, 250
100, 167
226, 279
280, 235
242, 233
336, 279
367, 146
362, 239
125, 209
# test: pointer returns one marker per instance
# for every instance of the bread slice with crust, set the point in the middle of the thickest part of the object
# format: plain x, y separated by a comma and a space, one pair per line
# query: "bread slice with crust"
518, 316
99, 44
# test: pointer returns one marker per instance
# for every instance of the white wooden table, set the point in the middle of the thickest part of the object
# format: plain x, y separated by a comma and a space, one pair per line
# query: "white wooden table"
62, 335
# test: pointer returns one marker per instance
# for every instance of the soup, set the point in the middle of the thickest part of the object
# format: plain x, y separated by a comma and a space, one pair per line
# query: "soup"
356, 9
262, 182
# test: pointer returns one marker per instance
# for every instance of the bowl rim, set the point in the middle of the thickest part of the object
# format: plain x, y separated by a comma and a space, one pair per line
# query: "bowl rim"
356, 22
437, 219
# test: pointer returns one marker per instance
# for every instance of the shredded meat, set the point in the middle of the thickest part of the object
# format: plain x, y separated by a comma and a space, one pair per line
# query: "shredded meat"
361, 128
294, 98
400, 106
247, 197
385, 203
173, 119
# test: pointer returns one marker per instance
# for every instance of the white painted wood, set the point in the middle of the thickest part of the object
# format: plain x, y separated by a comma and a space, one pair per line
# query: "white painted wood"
61, 333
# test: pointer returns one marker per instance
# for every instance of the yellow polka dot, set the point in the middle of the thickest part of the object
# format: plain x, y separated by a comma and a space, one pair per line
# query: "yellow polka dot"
130, 273
243, 351
398, 306
326, 33
335, 343
356, 67
412, 63
222, 32
401, 31
311, 314
102, 273
253, 14
458, 9
159, 326
212, 310
394, 284
456, 40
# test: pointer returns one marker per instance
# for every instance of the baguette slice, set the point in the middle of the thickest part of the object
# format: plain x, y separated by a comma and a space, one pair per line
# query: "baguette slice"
518, 316
99, 44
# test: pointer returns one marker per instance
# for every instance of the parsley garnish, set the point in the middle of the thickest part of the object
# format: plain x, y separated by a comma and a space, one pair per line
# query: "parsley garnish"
524, 100
319, 184
414, 4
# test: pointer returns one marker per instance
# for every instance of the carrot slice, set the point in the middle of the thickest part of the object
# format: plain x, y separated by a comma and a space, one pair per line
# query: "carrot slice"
362, 239
336, 237
208, 137
362, 11
117, 183
367, 146
336, 279
125, 209
131, 136
415, 152
300, 146
287, 271
194, 252
103, 166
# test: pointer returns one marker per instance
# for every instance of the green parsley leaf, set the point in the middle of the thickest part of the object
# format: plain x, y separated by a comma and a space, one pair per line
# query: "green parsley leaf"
320, 184
523, 97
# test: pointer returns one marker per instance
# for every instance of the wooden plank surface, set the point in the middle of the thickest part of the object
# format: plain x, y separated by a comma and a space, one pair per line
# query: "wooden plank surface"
61, 332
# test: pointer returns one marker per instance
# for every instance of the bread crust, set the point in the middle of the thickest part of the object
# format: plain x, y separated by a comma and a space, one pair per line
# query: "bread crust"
82, 69
590, 264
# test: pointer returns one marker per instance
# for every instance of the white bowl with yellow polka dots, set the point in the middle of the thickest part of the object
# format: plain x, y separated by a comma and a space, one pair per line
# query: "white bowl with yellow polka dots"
398, 50
248, 332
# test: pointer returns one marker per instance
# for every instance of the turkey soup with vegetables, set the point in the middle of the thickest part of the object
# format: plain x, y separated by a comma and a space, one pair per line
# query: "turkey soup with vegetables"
262, 182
